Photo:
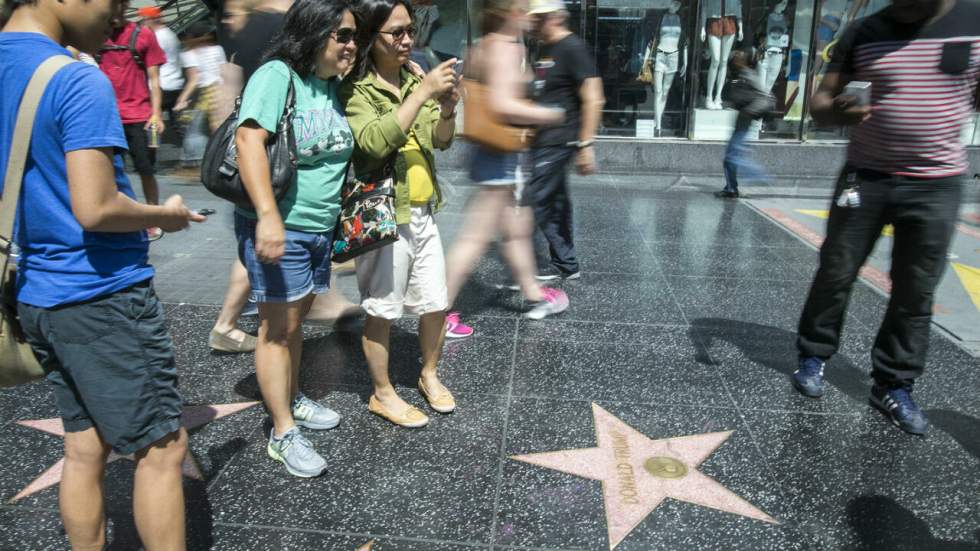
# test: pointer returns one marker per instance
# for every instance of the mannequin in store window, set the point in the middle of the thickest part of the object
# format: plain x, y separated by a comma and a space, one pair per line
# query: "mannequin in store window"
721, 25
668, 51
773, 46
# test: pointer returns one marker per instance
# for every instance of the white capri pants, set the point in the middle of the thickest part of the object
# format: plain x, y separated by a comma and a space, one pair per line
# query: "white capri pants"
409, 274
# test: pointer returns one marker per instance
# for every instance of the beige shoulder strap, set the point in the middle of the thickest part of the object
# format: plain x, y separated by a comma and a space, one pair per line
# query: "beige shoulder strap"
21, 144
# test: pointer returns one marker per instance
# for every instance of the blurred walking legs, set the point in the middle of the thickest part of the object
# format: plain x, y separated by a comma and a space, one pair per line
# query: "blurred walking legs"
489, 211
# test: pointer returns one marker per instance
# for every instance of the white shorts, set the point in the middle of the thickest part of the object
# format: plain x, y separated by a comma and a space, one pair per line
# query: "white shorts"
409, 274
666, 62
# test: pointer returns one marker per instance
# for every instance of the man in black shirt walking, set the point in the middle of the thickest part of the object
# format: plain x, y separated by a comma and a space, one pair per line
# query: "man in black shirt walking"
565, 77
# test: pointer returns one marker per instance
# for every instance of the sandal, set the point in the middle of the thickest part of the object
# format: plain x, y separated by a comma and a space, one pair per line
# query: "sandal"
411, 419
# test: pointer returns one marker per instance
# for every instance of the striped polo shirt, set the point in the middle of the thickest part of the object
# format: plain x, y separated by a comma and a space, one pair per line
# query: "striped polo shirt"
923, 89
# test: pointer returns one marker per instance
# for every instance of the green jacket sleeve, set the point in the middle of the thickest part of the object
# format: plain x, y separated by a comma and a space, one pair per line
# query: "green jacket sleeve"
376, 135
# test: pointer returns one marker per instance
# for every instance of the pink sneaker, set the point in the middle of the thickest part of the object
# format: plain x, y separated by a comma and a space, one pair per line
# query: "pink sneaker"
456, 329
555, 302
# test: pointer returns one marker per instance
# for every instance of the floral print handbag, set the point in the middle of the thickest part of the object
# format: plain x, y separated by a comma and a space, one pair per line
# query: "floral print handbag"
367, 215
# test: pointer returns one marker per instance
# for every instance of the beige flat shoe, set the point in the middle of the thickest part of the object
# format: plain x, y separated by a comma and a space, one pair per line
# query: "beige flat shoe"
223, 343
443, 403
411, 419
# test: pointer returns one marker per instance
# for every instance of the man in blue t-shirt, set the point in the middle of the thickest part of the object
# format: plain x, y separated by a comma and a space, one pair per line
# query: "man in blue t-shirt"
84, 288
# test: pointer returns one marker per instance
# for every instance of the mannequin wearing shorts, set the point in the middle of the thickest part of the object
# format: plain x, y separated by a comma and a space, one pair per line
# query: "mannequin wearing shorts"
721, 24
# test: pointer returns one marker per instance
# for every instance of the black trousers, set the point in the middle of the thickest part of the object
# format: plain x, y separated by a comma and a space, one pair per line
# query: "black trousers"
923, 213
547, 192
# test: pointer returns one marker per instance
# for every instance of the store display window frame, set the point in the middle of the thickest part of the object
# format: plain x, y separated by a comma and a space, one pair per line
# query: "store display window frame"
799, 70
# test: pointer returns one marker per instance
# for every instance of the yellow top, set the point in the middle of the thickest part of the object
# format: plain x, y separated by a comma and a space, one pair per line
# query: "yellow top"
420, 187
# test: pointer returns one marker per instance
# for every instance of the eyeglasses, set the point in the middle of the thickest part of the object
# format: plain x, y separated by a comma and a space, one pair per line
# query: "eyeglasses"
399, 34
344, 35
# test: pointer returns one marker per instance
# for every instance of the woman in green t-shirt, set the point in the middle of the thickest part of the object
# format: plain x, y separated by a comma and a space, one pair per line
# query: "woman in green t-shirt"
286, 245
398, 119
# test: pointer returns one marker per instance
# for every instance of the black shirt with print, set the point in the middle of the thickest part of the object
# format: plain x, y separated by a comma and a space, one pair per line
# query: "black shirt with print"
559, 72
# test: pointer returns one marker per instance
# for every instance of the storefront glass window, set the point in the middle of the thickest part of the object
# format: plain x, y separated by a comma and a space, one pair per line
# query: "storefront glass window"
776, 33
665, 63
442, 31
641, 48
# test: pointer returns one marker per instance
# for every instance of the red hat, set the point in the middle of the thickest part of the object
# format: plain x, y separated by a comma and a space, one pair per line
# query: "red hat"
149, 12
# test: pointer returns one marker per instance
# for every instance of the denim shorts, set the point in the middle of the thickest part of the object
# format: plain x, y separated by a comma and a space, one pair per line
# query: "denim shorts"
303, 269
491, 168
111, 363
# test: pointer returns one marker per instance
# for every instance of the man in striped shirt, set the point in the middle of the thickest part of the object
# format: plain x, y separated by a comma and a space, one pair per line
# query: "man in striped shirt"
905, 167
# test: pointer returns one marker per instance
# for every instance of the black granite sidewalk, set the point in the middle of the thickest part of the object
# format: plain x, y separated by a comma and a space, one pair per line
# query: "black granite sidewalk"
682, 325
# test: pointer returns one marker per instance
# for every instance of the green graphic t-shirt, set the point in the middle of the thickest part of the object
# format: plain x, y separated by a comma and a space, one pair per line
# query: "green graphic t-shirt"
324, 142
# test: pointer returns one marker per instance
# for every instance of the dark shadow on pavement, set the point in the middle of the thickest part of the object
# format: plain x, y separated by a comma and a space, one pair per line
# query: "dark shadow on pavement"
882, 524
775, 349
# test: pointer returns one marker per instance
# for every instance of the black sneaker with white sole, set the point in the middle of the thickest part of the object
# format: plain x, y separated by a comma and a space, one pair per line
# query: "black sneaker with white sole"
551, 274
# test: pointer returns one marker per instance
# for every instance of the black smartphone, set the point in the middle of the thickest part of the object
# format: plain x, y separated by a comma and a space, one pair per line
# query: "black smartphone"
206, 212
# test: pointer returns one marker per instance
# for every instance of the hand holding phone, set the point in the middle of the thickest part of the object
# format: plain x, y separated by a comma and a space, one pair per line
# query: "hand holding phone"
860, 90
853, 105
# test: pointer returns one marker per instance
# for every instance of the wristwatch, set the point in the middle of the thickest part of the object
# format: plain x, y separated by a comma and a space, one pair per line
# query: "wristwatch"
582, 144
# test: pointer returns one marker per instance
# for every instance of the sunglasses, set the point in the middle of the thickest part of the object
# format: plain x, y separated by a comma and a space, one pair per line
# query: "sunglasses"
399, 34
344, 35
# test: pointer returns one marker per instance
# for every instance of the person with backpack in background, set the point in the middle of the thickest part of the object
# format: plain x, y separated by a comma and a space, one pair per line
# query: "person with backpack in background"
752, 102
85, 297
131, 58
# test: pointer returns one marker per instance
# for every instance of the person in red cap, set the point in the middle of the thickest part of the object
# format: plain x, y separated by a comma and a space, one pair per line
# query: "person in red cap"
131, 58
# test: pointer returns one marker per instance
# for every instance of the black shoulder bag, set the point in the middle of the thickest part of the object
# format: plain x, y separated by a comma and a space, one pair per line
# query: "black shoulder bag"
219, 168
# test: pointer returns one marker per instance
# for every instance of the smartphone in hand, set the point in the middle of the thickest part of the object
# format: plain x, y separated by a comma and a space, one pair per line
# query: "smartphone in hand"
860, 90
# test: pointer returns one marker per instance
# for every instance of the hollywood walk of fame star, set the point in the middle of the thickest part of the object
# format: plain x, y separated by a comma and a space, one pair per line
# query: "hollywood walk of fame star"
191, 418
638, 473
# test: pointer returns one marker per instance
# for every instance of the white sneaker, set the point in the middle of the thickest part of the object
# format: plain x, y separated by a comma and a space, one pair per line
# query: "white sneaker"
296, 453
555, 302
313, 415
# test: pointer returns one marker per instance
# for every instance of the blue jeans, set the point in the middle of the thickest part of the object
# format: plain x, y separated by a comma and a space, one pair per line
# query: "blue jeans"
739, 161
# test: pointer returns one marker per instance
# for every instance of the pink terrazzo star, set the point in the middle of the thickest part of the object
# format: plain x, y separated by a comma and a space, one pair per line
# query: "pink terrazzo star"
638, 473
191, 418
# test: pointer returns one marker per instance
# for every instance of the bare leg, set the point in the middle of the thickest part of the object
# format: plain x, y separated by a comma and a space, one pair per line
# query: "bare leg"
296, 346
432, 332
714, 47
279, 324
332, 305
236, 297
726, 50
375, 341
151, 191
158, 493
80, 495
518, 249
482, 218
